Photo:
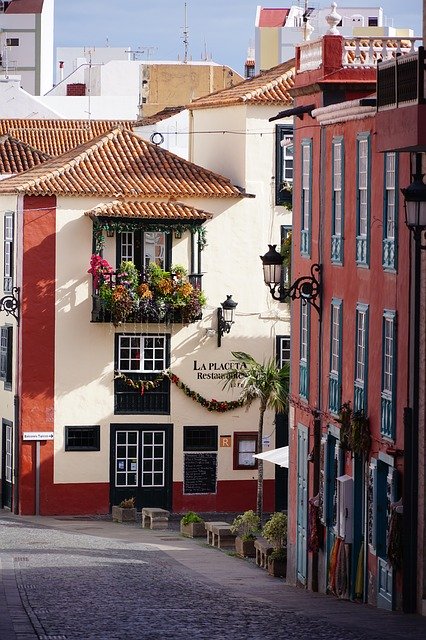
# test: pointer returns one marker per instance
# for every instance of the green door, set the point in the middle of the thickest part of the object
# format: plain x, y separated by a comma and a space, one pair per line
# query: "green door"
302, 503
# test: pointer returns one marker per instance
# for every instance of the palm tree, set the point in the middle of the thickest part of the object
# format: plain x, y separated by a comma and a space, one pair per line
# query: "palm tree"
266, 382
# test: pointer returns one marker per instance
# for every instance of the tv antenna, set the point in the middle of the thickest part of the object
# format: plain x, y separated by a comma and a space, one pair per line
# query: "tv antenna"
185, 38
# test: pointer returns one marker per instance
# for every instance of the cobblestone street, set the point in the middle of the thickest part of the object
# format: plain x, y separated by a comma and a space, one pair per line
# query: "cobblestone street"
84, 580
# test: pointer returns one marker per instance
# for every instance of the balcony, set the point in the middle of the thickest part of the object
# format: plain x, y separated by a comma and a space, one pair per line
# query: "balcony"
128, 296
401, 103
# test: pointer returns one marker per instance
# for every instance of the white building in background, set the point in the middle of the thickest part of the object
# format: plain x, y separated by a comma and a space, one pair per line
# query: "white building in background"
26, 43
279, 30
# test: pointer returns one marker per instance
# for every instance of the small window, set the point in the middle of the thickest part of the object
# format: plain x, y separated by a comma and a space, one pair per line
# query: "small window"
373, 22
245, 446
200, 438
82, 438
12, 42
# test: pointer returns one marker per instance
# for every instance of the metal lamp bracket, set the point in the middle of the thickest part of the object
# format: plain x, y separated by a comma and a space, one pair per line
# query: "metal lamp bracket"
10, 303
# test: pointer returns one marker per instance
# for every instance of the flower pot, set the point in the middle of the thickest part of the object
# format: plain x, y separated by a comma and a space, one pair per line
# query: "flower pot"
277, 567
245, 548
193, 530
120, 514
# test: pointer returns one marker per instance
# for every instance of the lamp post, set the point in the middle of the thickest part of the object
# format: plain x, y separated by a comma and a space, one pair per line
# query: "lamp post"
415, 219
225, 318
307, 288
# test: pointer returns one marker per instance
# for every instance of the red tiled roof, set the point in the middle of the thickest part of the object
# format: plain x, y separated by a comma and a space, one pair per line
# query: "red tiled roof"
273, 17
121, 164
25, 6
16, 156
55, 137
269, 87
159, 116
149, 211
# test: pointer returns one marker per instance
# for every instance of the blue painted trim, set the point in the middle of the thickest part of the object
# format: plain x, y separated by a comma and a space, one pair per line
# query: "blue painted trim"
306, 234
388, 245
337, 241
362, 308
388, 400
362, 253
335, 379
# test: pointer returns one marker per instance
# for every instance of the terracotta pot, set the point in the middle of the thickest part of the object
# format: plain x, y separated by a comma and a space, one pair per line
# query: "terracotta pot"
245, 548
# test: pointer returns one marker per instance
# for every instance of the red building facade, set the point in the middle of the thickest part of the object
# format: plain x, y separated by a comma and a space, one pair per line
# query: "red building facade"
349, 362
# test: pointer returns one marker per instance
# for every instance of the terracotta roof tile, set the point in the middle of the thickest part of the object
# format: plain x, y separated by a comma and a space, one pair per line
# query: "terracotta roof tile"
158, 117
55, 137
121, 164
149, 211
269, 87
16, 156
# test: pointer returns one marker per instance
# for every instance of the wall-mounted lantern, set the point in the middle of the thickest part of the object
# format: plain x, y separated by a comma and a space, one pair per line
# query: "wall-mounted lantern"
307, 288
225, 318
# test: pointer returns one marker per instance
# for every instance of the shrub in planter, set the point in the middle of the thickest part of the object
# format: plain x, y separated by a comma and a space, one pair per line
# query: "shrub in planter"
125, 511
275, 532
192, 525
246, 526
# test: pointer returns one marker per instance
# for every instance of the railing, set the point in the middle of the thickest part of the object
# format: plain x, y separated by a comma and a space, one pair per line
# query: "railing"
142, 310
303, 379
368, 52
401, 81
359, 396
387, 417
131, 401
334, 400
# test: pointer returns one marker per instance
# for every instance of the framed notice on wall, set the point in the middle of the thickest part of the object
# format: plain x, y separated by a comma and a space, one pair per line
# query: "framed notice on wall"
200, 472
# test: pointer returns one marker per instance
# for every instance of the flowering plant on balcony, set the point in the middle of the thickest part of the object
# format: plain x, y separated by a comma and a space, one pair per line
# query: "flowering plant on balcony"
154, 296
99, 268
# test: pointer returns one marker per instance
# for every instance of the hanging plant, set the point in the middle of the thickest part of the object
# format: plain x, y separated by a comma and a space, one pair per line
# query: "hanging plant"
360, 433
344, 419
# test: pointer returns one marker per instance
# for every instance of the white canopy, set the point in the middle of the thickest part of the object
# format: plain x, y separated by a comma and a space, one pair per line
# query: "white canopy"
276, 456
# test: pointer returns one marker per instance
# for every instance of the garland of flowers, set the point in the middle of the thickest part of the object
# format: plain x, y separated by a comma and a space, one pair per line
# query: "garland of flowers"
119, 227
221, 406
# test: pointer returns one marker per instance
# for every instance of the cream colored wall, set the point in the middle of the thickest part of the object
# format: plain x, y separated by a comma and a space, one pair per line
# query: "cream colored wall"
84, 361
269, 55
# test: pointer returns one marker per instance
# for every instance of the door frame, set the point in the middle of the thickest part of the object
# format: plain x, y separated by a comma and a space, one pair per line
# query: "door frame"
168, 456
302, 504
4, 425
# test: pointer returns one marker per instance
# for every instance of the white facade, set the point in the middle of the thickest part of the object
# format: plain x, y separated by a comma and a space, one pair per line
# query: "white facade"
26, 45
173, 133
15, 102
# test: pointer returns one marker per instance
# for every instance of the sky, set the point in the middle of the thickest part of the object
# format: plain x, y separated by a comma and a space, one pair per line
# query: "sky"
224, 29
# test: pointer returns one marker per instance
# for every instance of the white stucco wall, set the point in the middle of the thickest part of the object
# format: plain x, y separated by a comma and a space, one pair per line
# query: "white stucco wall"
174, 131
84, 360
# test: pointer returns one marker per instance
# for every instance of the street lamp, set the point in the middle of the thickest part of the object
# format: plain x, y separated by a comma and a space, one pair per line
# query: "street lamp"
307, 288
10, 303
415, 219
225, 318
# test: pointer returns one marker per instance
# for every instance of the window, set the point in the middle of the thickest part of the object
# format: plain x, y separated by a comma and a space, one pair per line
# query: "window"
335, 356
373, 22
283, 165
361, 358
144, 247
200, 438
8, 253
390, 211
142, 358
338, 201
286, 241
12, 42
304, 350
283, 350
6, 346
82, 438
305, 240
245, 445
363, 200
388, 375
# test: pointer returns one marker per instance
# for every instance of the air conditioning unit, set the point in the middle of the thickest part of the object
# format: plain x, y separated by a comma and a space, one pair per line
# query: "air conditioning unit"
345, 508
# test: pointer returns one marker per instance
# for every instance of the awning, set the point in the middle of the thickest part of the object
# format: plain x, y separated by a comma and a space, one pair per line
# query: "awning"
276, 456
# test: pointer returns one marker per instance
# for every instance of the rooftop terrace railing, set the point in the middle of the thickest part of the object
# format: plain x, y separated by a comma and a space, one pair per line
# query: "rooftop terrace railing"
401, 81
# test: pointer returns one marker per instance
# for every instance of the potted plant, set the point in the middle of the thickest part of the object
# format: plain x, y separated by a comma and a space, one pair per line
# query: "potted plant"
275, 532
192, 525
245, 526
125, 511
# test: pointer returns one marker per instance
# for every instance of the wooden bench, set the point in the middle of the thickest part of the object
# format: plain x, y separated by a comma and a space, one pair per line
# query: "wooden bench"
263, 550
153, 518
210, 536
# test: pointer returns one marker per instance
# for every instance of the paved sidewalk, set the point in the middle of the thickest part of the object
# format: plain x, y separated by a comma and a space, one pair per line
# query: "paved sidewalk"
235, 577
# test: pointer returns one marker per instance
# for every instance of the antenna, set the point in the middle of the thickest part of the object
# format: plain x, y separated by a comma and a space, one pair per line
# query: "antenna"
185, 38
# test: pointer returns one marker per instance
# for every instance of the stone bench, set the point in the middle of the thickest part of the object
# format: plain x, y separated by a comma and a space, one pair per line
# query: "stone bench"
263, 550
153, 518
219, 535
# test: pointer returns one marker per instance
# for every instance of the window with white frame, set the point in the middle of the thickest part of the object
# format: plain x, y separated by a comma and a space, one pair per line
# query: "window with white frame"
390, 211
337, 202
361, 344
388, 375
8, 252
154, 243
363, 199
305, 246
127, 246
335, 356
245, 446
144, 247
142, 353
283, 350
304, 350
283, 165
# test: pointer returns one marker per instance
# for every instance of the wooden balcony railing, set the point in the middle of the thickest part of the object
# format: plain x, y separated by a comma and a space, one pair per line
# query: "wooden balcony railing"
401, 81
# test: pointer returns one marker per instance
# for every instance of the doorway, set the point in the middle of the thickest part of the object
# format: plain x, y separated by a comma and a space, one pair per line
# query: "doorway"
6, 464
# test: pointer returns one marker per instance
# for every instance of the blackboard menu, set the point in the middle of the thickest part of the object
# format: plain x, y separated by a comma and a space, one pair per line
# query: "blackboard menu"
200, 473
